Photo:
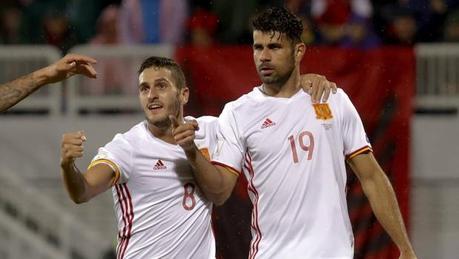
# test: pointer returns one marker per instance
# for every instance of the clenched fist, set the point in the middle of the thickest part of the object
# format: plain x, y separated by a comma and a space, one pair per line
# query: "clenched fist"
72, 147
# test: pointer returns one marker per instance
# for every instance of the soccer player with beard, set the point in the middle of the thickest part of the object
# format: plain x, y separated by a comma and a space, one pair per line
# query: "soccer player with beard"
293, 152
160, 210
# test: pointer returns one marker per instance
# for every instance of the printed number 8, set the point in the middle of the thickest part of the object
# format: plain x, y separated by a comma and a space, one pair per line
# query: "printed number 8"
188, 201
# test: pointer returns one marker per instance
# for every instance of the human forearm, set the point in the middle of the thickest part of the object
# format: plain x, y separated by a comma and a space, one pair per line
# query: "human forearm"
383, 201
16, 90
216, 185
74, 182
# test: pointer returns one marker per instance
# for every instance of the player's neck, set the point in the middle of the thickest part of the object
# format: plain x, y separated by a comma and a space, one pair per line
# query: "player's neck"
286, 90
163, 131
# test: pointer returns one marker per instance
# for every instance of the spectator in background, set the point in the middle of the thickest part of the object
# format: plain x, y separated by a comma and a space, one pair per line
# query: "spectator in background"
345, 23
451, 30
234, 18
34, 14
430, 18
153, 21
10, 26
359, 34
401, 26
302, 8
309, 31
84, 14
107, 27
58, 31
202, 24
115, 76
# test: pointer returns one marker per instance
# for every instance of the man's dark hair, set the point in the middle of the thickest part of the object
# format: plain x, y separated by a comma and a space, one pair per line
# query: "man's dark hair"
161, 62
279, 19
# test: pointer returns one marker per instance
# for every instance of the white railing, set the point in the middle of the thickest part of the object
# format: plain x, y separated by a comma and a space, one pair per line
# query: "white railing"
116, 85
43, 225
17, 61
437, 75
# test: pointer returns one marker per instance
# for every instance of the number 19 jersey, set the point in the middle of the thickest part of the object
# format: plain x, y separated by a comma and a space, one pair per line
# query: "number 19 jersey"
293, 153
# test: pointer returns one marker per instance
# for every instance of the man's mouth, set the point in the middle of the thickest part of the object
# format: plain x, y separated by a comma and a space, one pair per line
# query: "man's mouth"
154, 106
266, 71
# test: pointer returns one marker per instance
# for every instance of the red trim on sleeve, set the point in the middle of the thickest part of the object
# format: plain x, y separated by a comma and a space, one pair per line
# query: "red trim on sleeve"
231, 169
359, 151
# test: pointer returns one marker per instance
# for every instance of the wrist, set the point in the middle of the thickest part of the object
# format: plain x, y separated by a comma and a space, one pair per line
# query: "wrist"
191, 152
67, 164
407, 251
42, 76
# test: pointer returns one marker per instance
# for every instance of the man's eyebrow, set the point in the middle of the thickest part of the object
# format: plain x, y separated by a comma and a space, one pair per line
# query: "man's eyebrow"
162, 79
274, 44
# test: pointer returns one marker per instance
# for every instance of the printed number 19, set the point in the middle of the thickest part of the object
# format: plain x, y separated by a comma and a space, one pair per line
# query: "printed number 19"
308, 148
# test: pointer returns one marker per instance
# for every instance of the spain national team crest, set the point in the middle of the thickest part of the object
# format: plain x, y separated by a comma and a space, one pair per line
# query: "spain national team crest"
323, 111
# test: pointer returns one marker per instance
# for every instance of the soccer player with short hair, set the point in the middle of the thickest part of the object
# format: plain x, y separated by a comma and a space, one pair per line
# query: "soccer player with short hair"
293, 154
160, 210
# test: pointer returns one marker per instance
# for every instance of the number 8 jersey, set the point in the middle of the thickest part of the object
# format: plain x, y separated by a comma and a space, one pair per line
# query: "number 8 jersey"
293, 153
159, 209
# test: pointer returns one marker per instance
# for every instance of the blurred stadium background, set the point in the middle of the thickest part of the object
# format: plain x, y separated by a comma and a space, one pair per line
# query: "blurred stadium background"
397, 59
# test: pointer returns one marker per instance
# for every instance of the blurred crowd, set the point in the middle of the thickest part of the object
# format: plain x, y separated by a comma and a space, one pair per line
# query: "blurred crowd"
360, 24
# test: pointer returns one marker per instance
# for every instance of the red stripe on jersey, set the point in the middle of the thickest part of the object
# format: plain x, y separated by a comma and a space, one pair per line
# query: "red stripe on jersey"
130, 218
255, 224
121, 200
119, 248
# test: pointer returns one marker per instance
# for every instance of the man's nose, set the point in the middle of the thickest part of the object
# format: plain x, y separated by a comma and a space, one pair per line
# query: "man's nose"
265, 55
152, 93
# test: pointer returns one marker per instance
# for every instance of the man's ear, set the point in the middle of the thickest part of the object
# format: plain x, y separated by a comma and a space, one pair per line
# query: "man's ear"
300, 49
184, 95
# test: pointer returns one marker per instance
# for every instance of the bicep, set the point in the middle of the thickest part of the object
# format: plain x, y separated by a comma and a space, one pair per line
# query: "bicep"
365, 166
99, 178
229, 177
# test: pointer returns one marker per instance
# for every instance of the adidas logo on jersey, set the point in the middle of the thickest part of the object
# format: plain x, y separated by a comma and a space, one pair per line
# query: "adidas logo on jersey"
267, 123
159, 165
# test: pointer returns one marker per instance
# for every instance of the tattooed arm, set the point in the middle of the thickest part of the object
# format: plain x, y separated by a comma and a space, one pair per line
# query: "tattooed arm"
16, 90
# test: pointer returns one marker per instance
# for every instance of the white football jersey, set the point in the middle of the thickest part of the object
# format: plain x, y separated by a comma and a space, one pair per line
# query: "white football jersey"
293, 156
160, 211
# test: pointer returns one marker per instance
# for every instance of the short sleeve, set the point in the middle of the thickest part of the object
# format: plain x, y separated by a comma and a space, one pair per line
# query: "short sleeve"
206, 136
116, 154
230, 149
355, 139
